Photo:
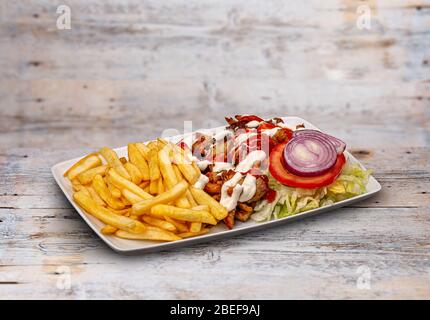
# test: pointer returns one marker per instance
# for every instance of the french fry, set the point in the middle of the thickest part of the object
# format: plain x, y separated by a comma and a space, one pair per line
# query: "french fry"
195, 227
95, 196
107, 217
161, 210
112, 159
187, 170
153, 187
160, 185
181, 226
143, 149
134, 172
87, 176
125, 201
102, 190
116, 193
201, 197
163, 198
144, 184
131, 197
86, 163
163, 224
203, 207
166, 168
122, 212
150, 233
123, 183
190, 198
182, 201
136, 157
146, 189
154, 171
193, 234
107, 229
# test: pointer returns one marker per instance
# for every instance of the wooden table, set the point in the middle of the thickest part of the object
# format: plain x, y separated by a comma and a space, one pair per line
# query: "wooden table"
128, 69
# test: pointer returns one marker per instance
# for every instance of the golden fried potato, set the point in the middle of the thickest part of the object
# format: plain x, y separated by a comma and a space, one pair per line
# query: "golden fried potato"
150, 233
107, 217
87, 176
166, 197
163, 224
180, 226
102, 190
140, 161
134, 172
202, 198
89, 162
112, 159
143, 149
107, 229
154, 171
195, 227
193, 234
131, 197
123, 183
161, 210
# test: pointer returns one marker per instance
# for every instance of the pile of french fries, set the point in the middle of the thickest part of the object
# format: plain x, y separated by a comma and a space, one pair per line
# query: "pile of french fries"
149, 196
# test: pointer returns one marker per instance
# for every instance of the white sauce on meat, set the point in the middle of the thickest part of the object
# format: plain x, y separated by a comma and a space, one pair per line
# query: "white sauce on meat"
203, 164
249, 161
201, 182
271, 132
252, 124
230, 202
221, 166
245, 191
249, 188
219, 136
243, 137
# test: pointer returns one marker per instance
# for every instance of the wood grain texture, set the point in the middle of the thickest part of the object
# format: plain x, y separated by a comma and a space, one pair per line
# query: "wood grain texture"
129, 69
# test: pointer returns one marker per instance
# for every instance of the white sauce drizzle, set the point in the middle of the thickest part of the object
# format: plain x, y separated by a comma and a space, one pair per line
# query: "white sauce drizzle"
252, 124
249, 161
219, 136
243, 137
220, 166
245, 191
249, 188
271, 132
230, 202
201, 182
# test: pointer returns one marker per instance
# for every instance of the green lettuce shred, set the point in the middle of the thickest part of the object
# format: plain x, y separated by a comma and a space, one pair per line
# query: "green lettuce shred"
289, 201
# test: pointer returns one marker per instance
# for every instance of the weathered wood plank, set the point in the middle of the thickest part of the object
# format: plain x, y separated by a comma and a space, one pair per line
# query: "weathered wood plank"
345, 240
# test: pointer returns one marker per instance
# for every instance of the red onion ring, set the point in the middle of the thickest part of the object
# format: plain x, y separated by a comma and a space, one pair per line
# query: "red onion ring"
309, 155
338, 144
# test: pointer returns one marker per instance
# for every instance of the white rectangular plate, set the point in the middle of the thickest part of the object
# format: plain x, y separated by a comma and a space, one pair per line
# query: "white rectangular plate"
220, 231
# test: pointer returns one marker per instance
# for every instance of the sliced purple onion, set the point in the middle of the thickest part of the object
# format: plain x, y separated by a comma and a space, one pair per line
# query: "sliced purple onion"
338, 144
309, 155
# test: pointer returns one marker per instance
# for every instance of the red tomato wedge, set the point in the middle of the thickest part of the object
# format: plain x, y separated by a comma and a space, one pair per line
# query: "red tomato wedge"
278, 171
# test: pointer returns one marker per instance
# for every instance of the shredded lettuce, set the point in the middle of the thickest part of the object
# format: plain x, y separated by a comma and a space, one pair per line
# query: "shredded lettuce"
289, 201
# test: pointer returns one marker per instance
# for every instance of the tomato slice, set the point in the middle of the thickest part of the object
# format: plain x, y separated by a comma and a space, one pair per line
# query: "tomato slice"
278, 171
266, 125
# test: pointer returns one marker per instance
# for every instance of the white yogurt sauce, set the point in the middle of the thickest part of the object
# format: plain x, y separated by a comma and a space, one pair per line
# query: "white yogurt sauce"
249, 188
271, 132
220, 166
252, 124
243, 137
201, 182
219, 136
249, 161
230, 202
